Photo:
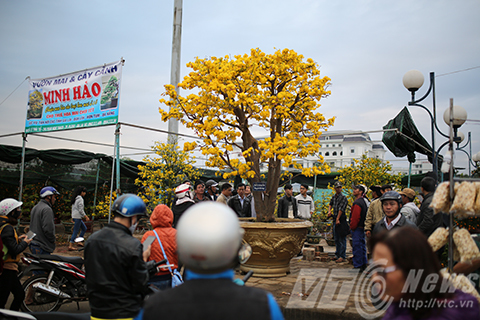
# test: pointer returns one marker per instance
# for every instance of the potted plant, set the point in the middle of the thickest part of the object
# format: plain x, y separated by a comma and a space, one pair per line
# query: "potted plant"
239, 99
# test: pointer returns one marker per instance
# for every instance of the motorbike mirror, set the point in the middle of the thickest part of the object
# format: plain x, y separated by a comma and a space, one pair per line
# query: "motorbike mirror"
245, 252
79, 239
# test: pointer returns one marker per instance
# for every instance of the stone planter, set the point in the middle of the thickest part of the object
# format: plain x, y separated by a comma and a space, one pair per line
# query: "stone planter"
330, 242
274, 244
313, 239
68, 227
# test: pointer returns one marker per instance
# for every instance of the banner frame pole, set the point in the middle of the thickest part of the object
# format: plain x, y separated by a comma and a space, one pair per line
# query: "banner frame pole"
22, 171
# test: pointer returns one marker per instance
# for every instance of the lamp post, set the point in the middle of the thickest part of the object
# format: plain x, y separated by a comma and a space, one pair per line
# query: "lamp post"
413, 80
458, 118
471, 159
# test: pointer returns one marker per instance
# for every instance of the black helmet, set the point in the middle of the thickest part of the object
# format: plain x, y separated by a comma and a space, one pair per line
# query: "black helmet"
211, 183
392, 195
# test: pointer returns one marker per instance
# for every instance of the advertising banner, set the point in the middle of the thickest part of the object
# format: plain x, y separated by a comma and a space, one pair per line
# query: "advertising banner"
87, 98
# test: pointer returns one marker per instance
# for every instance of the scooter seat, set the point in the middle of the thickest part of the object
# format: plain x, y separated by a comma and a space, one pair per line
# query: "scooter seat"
72, 260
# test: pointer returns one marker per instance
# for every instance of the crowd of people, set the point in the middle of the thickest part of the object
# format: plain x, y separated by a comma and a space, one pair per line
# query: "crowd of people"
201, 232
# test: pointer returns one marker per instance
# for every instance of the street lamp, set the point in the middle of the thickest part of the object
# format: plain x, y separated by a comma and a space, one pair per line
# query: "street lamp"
471, 159
458, 118
476, 157
413, 80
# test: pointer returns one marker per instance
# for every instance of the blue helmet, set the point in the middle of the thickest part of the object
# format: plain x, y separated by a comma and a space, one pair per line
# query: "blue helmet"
48, 191
129, 205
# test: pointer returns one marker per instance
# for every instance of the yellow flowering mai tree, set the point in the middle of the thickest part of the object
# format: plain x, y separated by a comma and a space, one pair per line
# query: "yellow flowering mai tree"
160, 175
369, 172
276, 95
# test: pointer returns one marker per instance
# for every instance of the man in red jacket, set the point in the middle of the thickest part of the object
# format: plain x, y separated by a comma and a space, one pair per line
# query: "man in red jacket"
358, 214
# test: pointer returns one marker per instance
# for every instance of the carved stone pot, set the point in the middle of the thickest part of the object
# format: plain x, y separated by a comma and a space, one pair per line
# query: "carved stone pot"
274, 244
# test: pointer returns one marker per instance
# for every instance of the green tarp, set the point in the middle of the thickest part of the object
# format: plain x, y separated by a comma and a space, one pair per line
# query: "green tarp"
410, 141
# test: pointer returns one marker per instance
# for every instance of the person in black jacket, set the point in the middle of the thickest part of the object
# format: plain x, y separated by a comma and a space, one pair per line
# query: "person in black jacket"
427, 221
240, 203
115, 267
13, 246
287, 205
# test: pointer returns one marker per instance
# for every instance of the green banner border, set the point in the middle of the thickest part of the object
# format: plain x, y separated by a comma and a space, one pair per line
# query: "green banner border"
71, 126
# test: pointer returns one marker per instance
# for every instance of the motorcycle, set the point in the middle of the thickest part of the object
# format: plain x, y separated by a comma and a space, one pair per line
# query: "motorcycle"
56, 280
62, 280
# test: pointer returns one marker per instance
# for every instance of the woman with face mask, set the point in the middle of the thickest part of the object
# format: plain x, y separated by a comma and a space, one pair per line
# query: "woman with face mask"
13, 245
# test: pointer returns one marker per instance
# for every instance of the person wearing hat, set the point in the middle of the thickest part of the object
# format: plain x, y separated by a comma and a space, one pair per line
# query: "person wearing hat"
211, 189
184, 200
336, 208
115, 263
42, 222
375, 211
391, 205
13, 245
358, 213
409, 209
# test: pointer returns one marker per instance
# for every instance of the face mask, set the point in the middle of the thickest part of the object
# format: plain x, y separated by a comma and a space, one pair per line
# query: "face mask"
133, 227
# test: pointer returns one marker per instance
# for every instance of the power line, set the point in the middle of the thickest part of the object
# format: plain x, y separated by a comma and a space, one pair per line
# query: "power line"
14, 90
448, 73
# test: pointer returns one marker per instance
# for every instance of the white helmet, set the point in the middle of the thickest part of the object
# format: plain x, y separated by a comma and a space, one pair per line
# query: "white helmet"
183, 190
9, 205
209, 237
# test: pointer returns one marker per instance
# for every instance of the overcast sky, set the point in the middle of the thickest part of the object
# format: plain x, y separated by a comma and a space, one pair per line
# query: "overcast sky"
365, 47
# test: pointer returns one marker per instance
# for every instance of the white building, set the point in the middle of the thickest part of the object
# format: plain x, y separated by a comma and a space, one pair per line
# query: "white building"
339, 148
420, 166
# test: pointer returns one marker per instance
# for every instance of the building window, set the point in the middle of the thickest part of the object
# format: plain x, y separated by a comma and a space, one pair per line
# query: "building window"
333, 145
352, 150
339, 145
332, 164
334, 153
327, 154
326, 146
341, 153
320, 153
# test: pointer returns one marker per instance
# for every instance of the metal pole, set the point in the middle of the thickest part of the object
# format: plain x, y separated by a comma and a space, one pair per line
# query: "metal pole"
22, 170
175, 68
470, 155
111, 179
409, 174
117, 146
96, 189
450, 230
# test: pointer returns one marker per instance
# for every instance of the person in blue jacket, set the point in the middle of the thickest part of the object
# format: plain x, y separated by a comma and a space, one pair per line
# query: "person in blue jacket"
209, 243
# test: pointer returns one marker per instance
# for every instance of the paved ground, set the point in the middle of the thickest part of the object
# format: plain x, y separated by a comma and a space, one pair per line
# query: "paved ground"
321, 290
312, 290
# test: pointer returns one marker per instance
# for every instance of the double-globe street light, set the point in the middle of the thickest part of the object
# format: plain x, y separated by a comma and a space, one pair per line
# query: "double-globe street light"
413, 80
472, 160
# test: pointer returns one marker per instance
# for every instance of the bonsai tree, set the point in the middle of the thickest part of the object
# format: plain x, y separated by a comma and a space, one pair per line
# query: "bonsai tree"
111, 90
273, 95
